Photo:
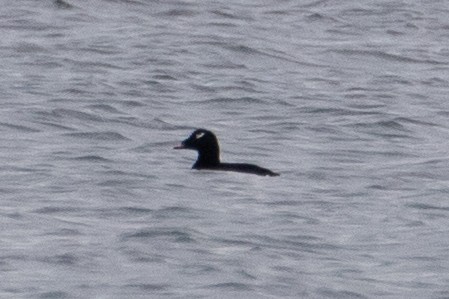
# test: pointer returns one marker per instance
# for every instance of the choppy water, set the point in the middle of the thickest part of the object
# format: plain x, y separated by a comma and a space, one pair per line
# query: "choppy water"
347, 100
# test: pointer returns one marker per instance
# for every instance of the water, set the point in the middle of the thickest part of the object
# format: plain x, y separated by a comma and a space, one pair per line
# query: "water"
347, 100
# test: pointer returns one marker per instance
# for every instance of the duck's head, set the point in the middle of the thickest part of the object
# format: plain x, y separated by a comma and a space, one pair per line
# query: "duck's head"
206, 144
200, 140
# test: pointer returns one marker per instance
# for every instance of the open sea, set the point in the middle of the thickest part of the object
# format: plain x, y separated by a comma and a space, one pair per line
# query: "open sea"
348, 100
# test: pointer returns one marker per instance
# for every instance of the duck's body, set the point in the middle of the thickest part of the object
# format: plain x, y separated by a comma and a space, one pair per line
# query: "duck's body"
206, 144
241, 167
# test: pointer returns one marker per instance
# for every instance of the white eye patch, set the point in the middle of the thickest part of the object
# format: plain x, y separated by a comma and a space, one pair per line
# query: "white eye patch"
199, 135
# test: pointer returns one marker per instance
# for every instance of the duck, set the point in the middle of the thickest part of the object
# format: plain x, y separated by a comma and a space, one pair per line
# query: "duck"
206, 144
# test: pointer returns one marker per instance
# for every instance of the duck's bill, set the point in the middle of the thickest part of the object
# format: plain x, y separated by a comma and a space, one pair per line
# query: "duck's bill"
181, 146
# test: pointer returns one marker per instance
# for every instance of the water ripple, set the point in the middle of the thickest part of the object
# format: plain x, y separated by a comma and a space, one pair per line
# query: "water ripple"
387, 56
165, 233
105, 136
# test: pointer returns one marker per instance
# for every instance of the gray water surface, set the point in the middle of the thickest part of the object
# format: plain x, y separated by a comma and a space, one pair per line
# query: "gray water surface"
348, 100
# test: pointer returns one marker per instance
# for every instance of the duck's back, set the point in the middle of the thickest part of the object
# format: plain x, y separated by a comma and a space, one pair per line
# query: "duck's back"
246, 168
